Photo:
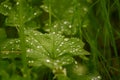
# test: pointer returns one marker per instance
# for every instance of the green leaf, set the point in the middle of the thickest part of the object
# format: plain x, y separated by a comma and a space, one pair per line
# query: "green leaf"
53, 49
17, 12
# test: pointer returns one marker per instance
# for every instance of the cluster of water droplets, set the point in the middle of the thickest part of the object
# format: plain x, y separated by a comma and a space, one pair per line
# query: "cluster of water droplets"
64, 27
11, 46
5, 7
96, 78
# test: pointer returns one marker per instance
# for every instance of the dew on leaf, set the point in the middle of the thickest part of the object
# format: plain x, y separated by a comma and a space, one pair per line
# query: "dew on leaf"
48, 60
11, 42
17, 41
6, 6
63, 62
70, 26
35, 13
85, 9
58, 49
57, 60
29, 50
38, 46
55, 64
76, 62
62, 43
55, 26
66, 39
27, 40
99, 77
53, 32
65, 22
31, 61
17, 3
73, 42
84, 25
31, 43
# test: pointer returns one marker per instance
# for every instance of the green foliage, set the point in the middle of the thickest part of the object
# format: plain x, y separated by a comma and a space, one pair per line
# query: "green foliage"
49, 39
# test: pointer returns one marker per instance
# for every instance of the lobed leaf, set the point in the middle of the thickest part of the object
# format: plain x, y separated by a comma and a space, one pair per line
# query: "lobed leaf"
52, 50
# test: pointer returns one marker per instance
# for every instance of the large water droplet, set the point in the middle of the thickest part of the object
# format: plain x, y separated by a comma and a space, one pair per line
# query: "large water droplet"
27, 40
85, 9
48, 60
35, 13
17, 3
53, 32
70, 26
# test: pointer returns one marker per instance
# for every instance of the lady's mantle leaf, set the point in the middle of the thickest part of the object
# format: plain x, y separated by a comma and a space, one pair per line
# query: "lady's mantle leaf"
20, 12
53, 49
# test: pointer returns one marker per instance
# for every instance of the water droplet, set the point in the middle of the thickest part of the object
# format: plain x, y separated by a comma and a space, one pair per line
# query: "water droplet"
65, 22
55, 26
12, 49
53, 32
66, 39
64, 50
70, 26
76, 62
4, 47
11, 42
17, 41
55, 64
35, 33
71, 51
27, 40
9, 8
57, 60
48, 60
63, 62
38, 46
62, 43
84, 25
5, 5
35, 40
31, 43
29, 50
85, 9
31, 61
99, 77
73, 42
17, 3
35, 13
76, 49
